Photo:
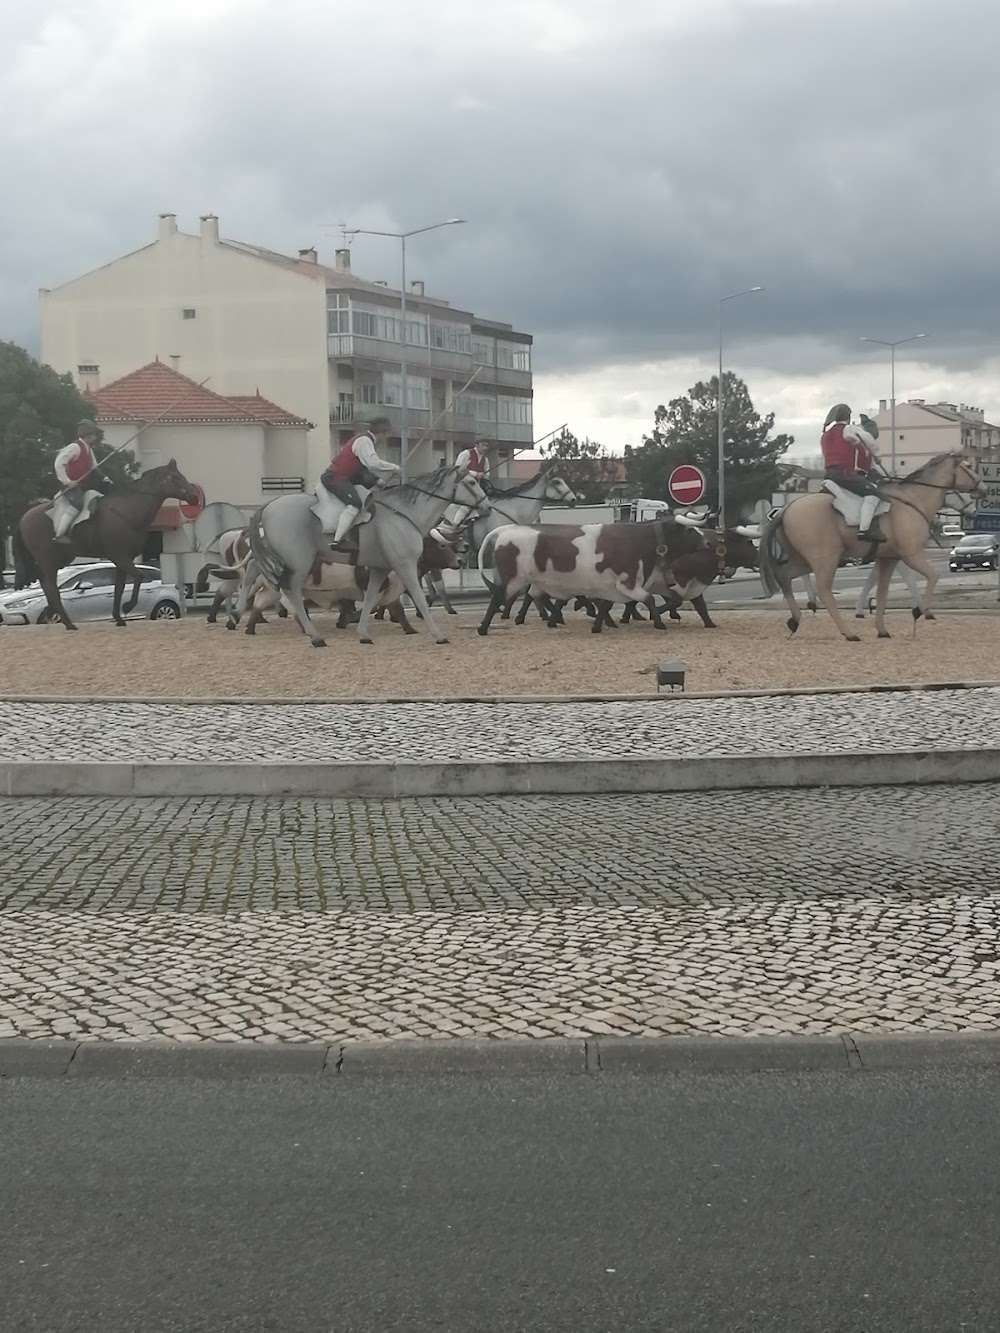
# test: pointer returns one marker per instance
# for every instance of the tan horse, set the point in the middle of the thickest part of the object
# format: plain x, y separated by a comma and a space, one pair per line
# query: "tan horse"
809, 535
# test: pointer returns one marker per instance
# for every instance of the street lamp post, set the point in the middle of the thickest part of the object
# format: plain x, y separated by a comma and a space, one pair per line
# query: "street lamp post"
722, 437
892, 384
403, 237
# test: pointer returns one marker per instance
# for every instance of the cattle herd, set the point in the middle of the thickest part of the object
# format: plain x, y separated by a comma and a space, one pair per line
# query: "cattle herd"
593, 566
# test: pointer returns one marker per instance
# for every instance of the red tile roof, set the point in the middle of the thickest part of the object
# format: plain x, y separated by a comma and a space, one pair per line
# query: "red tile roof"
157, 392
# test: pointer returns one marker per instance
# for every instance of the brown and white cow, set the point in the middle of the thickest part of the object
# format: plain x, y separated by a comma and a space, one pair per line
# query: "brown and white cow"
234, 552
609, 562
338, 583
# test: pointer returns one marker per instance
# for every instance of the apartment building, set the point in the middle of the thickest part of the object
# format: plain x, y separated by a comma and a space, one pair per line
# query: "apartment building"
925, 429
321, 341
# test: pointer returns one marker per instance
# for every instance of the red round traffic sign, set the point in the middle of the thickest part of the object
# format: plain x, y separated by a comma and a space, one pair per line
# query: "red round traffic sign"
191, 509
686, 484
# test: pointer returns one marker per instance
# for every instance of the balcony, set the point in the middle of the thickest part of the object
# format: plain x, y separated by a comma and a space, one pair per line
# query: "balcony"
505, 432
347, 346
502, 377
448, 423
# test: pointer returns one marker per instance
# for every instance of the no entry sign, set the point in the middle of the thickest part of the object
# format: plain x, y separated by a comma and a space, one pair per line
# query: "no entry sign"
686, 484
192, 510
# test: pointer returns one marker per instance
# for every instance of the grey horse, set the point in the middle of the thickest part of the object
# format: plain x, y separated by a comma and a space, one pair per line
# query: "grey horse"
516, 504
286, 539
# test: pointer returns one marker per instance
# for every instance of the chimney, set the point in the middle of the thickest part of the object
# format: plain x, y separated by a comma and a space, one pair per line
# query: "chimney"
89, 376
882, 405
309, 255
166, 226
380, 282
209, 229
175, 361
343, 261
417, 287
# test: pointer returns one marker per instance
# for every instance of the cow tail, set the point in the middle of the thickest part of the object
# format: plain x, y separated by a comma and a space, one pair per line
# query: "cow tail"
25, 567
772, 558
488, 541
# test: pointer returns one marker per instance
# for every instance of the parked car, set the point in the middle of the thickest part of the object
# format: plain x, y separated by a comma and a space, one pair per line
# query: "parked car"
952, 531
88, 593
976, 550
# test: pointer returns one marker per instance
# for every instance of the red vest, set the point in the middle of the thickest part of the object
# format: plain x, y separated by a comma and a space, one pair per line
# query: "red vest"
83, 464
346, 465
850, 455
477, 463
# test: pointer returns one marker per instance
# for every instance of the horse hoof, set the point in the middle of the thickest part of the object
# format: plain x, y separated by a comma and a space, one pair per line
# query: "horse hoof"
211, 620
318, 643
929, 615
859, 615
710, 624
811, 606
452, 611
884, 634
444, 640
482, 632
792, 624
853, 638
916, 612
408, 629
368, 641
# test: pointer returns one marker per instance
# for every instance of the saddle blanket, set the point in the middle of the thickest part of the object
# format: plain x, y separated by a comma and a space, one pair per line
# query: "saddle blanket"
848, 505
328, 508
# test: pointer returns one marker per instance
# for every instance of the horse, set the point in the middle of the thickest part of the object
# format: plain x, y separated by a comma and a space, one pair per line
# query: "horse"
810, 535
234, 552
516, 504
286, 538
117, 530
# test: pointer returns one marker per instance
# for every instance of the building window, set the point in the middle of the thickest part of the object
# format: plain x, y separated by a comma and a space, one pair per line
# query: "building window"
86, 369
482, 352
369, 393
516, 411
513, 356
338, 320
418, 391
364, 322
451, 338
188, 312
439, 453
483, 409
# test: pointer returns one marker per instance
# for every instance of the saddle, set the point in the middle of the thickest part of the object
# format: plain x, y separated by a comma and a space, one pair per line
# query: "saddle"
848, 505
61, 506
328, 508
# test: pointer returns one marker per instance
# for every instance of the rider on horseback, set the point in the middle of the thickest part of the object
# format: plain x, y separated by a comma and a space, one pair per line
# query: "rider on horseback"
849, 454
74, 466
478, 465
356, 464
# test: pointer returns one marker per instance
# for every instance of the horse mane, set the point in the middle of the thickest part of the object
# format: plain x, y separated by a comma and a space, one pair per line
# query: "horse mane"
917, 473
522, 486
426, 481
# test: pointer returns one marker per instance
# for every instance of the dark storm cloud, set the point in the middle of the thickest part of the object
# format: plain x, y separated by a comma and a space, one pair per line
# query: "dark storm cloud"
839, 153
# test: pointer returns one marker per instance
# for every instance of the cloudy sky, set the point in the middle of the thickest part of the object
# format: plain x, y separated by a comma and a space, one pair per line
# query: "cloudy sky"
622, 164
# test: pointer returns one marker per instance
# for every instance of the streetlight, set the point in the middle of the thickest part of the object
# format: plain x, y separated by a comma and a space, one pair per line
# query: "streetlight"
403, 237
892, 383
722, 438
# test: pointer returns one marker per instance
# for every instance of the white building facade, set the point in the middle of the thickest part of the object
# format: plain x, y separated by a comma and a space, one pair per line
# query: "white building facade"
320, 341
925, 429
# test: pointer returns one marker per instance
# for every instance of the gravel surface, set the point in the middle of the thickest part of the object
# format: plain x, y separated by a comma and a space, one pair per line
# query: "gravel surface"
749, 650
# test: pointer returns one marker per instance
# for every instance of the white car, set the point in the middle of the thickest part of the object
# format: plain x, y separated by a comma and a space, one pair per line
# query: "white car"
88, 593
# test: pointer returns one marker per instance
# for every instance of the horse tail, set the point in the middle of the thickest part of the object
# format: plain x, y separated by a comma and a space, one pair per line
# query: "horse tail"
269, 562
489, 541
773, 557
25, 566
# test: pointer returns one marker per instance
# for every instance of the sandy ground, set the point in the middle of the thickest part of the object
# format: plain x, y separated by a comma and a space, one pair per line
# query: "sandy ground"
749, 650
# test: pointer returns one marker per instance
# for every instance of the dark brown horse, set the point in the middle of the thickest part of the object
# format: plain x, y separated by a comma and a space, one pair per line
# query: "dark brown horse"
117, 531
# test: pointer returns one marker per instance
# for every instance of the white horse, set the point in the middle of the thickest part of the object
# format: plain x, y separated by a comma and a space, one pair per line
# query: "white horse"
286, 539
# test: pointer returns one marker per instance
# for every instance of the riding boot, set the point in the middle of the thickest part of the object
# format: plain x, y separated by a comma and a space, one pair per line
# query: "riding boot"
865, 531
343, 526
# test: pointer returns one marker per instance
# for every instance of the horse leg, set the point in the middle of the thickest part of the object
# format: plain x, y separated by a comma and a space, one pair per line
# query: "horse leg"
701, 607
811, 602
908, 578
411, 582
866, 592
919, 563
49, 579
437, 582
121, 574
346, 614
133, 600
293, 595
883, 572
251, 576
398, 617
218, 601
824, 588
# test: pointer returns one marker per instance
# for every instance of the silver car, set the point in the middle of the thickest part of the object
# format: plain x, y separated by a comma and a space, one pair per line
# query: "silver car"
88, 593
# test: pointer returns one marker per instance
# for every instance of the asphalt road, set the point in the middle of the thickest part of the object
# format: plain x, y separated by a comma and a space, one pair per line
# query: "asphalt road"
854, 1202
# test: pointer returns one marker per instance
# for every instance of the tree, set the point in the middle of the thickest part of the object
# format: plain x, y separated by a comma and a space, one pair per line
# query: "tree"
39, 413
586, 466
686, 431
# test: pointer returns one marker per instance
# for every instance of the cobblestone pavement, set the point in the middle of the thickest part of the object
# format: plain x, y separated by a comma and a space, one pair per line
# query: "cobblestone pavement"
287, 733
294, 920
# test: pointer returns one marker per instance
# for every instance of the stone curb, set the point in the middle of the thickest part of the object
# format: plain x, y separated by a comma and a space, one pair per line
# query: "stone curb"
601, 1056
344, 701
400, 781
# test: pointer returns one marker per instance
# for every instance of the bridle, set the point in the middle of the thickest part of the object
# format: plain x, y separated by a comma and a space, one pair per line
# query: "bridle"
419, 490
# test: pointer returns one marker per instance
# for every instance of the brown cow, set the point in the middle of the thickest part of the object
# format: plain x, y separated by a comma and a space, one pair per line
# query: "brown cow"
604, 561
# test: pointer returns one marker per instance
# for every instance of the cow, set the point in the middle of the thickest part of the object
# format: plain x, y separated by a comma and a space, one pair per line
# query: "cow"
609, 562
686, 580
234, 552
342, 584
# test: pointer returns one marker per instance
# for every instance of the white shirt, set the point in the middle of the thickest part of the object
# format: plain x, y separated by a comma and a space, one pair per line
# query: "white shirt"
465, 458
858, 435
363, 449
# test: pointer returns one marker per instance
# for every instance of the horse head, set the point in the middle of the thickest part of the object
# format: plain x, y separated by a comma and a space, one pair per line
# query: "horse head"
469, 492
169, 483
557, 489
968, 480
